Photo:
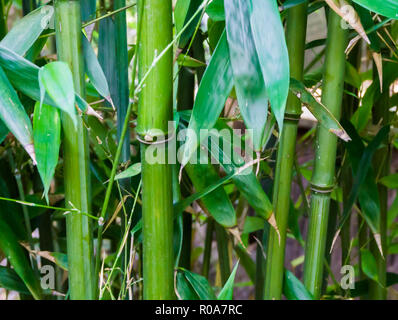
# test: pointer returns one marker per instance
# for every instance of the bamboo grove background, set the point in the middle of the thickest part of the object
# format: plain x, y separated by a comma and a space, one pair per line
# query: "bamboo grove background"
87, 87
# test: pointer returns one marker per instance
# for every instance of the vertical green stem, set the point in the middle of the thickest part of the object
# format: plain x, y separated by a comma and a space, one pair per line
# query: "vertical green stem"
322, 181
223, 253
381, 161
154, 112
295, 37
207, 249
76, 170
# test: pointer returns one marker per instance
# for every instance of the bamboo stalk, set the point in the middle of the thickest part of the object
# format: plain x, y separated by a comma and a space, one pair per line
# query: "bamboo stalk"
154, 112
3, 21
296, 32
208, 247
382, 161
223, 253
325, 155
76, 170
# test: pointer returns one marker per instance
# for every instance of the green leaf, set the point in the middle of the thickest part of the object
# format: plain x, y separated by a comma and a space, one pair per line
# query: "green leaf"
217, 201
9, 280
14, 116
56, 78
131, 171
213, 91
215, 10
187, 61
21, 71
390, 181
16, 256
47, 140
369, 265
364, 186
248, 78
272, 53
94, 71
184, 288
3, 131
183, 12
200, 285
227, 291
320, 112
294, 289
247, 183
388, 8
253, 224
26, 31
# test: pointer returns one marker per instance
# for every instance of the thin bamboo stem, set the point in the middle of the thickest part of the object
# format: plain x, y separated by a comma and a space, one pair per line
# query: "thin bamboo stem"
154, 112
324, 165
296, 32
223, 253
207, 249
76, 170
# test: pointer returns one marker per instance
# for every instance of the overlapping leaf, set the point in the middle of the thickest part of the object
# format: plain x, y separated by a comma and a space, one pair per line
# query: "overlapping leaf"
14, 116
248, 78
388, 8
47, 140
272, 53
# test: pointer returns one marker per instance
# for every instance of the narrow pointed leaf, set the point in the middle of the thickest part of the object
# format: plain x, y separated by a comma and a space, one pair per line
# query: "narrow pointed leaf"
227, 291
388, 8
320, 112
131, 171
368, 264
199, 284
272, 53
213, 91
294, 289
16, 256
94, 70
14, 116
47, 140
248, 78
9, 280
26, 31
56, 78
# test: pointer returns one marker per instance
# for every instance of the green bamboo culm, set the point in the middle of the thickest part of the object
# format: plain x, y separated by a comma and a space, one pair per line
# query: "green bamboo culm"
381, 161
154, 112
76, 169
3, 20
323, 179
295, 38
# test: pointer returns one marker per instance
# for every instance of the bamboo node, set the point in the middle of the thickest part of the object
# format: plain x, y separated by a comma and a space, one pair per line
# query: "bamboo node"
322, 189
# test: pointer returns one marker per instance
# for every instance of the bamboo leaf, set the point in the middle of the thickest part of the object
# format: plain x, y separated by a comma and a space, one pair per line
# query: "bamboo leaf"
216, 202
183, 12
21, 72
213, 91
321, 113
248, 79
184, 289
88, 9
3, 131
294, 289
131, 171
368, 264
388, 8
26, 31
9, 280
227, 291
56, 78
272, 53
200, 285
94, 71
390, 181
14, 116
215, 10
16, 256
47, 140
187, 61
